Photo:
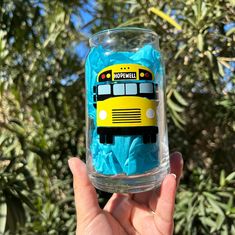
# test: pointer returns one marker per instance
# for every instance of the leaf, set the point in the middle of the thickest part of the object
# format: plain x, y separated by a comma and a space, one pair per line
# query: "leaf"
37, 116
232, 210
178, 225
230, 177
15, 212
180, 50
52, 27
225, 230
179, 98
51, 39
210, 195
208, 222
221, 69
28, 177
190, 21
19, 130
200, 42
174, 106
11, 147
209, 56
165, 17
222, 178
60, 16
199, 8
204, 10
176, 122
3, 138
215, 206
11, 218
26, 200
202, 208
230, 204
219, 221
3, 215
224, 194
178, 117
230, 31
233, 229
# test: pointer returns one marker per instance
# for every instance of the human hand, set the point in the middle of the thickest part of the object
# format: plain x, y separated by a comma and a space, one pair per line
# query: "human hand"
145, 213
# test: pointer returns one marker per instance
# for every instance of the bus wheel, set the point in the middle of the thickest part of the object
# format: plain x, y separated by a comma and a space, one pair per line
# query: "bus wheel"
153, 138
146, 139
109, 139
106, 139
102, 139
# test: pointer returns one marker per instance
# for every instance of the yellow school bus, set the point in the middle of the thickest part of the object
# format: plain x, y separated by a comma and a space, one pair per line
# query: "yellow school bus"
125, 98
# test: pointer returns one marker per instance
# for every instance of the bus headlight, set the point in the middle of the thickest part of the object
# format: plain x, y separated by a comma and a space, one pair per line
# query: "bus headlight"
150, 113
102, 114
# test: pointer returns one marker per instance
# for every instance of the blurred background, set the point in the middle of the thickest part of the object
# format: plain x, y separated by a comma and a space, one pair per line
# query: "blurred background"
43, 45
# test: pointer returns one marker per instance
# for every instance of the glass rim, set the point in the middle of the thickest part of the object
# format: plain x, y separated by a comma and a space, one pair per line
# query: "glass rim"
93, 37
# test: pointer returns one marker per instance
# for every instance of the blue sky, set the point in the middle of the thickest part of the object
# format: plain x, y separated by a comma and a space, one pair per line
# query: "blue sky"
86, 17
81, 48
228, 72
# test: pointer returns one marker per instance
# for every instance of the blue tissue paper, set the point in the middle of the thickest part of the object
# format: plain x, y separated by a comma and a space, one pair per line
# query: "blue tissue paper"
127, 154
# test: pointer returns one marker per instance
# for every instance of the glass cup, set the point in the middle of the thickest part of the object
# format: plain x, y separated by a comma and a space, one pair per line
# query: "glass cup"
126, 131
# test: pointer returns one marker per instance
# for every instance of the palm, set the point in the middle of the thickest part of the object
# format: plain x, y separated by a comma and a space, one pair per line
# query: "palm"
143, 213
102, 223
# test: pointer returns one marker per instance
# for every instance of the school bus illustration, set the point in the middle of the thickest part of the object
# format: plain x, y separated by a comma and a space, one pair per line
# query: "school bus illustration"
125, 98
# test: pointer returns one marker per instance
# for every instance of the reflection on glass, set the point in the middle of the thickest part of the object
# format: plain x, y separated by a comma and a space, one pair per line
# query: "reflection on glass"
104, 90
118, 89
146, 88
131, 89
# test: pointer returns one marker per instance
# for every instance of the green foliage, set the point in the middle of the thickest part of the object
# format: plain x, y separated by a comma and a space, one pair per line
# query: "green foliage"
208, 207
39, 120
42, 106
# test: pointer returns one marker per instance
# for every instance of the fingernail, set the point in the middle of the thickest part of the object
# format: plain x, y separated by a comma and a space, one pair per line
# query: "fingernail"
178, 153
173, 175
180, 156
71, 165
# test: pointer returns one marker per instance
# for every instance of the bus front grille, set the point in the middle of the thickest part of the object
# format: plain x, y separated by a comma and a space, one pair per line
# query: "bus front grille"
126, 116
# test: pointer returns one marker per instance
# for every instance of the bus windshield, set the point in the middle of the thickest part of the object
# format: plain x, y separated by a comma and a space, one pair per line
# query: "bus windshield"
126, 89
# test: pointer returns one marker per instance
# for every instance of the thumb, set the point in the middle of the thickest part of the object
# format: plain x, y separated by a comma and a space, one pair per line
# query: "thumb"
86, 202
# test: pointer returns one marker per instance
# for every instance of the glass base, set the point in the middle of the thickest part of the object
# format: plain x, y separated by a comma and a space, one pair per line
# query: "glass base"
130, 184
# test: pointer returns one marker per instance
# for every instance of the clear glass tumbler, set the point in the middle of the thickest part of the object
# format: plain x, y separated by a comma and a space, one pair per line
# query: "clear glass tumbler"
126, 131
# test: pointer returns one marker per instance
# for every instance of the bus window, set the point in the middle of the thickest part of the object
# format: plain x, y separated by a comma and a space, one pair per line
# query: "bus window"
104, 89
118, 89
146, 88
131, 89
